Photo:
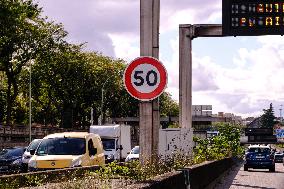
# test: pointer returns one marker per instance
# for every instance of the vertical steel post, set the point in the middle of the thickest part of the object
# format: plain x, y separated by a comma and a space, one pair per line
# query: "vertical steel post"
102, 104
149, 118
92, 116
30, 102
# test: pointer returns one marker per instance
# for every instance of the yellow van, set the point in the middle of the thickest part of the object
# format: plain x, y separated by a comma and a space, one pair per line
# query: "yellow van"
69, 149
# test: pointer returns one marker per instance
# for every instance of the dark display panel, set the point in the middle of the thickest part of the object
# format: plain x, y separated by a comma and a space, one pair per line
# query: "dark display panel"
252, 17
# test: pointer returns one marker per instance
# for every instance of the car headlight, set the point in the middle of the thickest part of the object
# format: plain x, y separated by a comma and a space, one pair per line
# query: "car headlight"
17, 162
76, 162
32, 164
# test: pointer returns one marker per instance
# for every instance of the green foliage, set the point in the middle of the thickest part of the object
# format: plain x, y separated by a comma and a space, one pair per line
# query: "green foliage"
23, 35
168, 106
280, 145
134, 170
226, 144
267, 120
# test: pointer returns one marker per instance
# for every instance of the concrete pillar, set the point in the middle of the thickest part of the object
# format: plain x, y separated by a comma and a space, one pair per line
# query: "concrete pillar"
149, 118
185, 75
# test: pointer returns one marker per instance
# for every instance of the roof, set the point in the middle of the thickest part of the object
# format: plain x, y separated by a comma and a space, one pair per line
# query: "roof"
258, 146
106, 130
68, 134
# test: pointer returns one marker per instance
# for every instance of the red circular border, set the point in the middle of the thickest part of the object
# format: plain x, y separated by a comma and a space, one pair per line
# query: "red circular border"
145, 96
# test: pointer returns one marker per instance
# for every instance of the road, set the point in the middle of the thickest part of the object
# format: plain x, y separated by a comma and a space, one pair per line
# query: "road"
237, 178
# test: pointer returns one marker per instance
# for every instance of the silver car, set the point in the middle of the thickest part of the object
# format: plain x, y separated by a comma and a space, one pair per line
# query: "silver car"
27, 156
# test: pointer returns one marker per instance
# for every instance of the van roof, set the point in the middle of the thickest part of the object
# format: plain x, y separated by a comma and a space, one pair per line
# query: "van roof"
68, 134
258, 146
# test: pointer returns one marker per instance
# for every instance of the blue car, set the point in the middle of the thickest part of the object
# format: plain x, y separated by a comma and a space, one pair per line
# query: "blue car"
11, 160
259, 157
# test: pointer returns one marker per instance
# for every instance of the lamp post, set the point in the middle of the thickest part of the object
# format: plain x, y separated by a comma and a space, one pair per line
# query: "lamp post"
102, 102
30, 102
280, 113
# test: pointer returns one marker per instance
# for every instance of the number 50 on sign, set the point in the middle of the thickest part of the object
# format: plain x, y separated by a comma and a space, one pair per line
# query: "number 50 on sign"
145, 78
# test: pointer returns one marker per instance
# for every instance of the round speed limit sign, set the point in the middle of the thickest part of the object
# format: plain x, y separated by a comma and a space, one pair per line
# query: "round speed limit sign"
145, 78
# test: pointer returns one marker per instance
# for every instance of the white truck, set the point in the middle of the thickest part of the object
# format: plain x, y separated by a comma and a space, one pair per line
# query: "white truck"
116, 140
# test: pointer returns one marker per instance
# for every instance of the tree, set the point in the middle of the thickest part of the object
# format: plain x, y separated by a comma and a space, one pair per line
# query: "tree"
226, 144
168, 106
267, 120
23, 34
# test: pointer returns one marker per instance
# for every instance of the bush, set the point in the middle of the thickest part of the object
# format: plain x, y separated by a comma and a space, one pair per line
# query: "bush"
226, 144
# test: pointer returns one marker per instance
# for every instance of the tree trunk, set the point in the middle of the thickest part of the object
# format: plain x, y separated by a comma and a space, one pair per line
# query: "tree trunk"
11, 96
66, 116
9, 103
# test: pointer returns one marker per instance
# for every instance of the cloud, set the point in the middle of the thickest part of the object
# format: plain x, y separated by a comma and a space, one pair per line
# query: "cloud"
189, 12
255, 81
101, 23
203, 74
92, 21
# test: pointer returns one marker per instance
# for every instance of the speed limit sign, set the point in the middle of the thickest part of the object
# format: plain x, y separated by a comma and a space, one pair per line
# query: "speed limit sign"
145, 78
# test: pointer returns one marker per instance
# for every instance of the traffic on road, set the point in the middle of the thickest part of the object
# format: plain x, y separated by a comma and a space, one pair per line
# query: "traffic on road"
103, 144
238, 178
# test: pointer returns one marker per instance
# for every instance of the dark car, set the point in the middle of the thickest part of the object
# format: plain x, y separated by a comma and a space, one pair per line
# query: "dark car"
11, 159
259, 157
278, 157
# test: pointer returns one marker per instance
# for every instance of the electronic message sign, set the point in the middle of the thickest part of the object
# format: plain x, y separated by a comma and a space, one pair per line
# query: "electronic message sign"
252, 17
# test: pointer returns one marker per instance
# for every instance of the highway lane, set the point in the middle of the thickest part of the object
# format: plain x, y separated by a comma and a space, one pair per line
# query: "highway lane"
237, 178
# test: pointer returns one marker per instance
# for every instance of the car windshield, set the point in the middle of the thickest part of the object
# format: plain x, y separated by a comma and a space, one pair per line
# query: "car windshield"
259, 150
33, 145
108, 143
135, 150
11, 152
62, 146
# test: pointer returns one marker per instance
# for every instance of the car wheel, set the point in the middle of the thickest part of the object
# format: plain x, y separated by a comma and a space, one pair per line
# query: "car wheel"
245, 168
272, 169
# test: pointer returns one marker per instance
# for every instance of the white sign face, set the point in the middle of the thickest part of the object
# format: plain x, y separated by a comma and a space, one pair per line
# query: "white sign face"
145, 78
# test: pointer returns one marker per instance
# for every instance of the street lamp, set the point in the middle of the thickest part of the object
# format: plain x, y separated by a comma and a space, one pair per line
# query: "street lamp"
280, 113
102, 102
30, 102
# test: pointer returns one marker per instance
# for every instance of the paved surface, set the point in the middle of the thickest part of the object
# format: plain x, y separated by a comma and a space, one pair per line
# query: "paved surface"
237, 178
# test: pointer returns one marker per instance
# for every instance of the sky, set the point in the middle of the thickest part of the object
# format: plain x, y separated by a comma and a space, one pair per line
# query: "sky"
240, 75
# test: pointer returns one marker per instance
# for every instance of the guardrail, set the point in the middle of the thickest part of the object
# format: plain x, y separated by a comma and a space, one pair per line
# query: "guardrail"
22, 179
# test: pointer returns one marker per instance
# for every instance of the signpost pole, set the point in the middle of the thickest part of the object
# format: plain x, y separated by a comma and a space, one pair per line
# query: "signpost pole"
149, 111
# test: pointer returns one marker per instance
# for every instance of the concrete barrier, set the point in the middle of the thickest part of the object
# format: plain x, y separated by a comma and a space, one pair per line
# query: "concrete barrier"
196, 177
201, 176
